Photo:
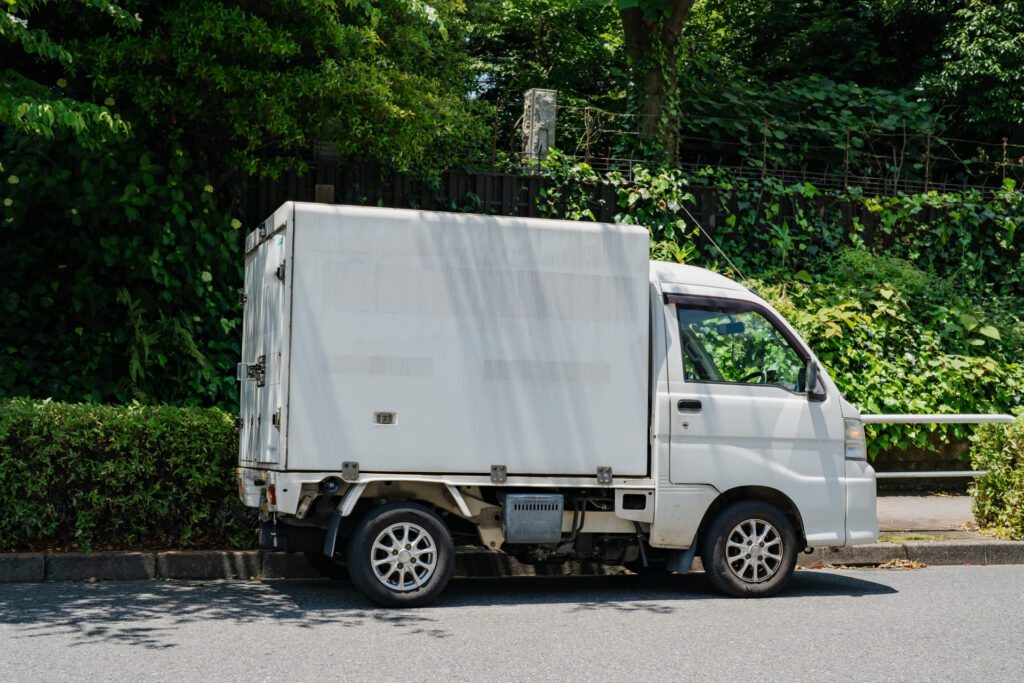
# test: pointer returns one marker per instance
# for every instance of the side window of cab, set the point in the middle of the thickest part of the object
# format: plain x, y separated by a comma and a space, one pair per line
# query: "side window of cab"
737, 345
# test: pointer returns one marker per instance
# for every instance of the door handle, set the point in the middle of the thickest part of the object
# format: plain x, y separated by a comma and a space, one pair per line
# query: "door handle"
688, 405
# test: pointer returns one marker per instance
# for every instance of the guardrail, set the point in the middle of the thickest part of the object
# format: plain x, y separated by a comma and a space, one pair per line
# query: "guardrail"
924, 419
908, 419
930, 475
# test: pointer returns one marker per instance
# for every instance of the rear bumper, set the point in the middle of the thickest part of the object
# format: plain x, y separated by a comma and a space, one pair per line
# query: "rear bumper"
861, 510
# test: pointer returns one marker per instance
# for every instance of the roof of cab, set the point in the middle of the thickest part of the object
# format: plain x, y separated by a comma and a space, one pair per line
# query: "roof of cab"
676, 273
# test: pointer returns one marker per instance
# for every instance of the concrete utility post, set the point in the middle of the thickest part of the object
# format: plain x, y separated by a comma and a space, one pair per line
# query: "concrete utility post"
538, 123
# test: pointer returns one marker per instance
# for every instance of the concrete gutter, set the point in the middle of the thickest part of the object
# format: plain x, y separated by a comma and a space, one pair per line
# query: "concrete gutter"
254, 564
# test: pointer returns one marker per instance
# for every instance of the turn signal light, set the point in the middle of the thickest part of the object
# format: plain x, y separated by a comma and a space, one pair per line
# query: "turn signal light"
856, 446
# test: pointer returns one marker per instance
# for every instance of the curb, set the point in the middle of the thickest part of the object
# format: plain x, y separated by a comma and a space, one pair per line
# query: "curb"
927, 552
469, 563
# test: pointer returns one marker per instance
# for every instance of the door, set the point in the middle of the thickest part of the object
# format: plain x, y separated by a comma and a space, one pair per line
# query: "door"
741, 415
263, 339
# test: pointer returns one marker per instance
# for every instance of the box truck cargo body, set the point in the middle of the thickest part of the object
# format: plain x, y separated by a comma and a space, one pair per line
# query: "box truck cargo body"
446, 343
537, 384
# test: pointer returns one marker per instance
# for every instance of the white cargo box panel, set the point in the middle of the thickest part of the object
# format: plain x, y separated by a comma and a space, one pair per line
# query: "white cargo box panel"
448, 343
264, 343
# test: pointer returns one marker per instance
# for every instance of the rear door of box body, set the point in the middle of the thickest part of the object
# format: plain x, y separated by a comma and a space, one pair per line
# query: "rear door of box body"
447, 343
265, 342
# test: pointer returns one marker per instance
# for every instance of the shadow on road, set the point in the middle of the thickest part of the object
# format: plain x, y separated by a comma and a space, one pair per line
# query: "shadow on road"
147, 614
631, 593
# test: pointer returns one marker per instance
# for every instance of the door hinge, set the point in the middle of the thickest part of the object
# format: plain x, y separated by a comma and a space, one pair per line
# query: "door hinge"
276, 420
350, 471
243, 298
499, 474
252, 371
280, 271
604, 475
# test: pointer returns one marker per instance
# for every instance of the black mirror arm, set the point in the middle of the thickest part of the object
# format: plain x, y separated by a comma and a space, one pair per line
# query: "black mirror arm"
812, 383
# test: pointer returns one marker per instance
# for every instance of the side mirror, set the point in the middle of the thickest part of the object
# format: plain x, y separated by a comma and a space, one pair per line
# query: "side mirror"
815, 388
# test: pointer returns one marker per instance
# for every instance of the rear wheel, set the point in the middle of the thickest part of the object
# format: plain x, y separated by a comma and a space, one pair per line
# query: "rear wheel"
401, 555
750, 550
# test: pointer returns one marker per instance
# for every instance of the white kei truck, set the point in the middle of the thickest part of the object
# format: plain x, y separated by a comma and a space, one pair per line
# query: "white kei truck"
413, 380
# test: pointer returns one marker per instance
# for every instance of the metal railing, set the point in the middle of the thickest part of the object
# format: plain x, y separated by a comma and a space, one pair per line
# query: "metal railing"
934, 419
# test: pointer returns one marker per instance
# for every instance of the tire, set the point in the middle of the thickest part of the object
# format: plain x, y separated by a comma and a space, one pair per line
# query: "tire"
401, 555
328, 567
769, 537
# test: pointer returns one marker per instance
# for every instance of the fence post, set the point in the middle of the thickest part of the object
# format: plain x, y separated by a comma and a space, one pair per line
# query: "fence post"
764, 149
927, 161
1004, 159
846, 161
539, 107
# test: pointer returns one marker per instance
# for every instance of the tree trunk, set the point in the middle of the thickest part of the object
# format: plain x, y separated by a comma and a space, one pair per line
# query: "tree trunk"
652, 42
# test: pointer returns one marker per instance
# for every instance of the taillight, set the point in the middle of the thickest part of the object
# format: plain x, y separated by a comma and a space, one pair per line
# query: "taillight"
856, 446
241, 489
272, 494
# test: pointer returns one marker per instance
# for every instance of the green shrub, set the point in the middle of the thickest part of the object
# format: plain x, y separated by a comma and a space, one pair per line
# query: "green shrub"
899, 340
90, 477
999, 496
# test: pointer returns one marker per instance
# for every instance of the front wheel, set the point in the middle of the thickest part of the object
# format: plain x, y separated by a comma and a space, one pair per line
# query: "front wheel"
401, 555
750, 550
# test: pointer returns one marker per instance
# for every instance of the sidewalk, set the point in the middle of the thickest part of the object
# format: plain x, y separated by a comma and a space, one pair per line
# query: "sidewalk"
944, 515
915, 530
925, 529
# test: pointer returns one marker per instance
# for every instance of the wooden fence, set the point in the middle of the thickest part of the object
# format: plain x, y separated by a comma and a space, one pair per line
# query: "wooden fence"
494, 193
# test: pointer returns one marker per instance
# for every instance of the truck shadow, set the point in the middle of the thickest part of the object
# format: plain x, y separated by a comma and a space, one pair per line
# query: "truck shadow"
151, 615
638, 593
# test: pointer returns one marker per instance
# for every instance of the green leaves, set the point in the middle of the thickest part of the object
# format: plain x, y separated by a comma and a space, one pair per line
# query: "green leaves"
968, 321
92, 477
998, 497
982, 56
990, 332
255, 87
33, 108
147, 266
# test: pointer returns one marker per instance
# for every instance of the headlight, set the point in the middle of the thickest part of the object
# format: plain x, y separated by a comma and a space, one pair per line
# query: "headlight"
856, 448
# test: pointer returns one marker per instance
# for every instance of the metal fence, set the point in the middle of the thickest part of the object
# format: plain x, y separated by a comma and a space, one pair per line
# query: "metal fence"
935, 419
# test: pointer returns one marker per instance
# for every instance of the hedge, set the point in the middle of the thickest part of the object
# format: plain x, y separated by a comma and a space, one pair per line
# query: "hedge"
92, 477
999, 496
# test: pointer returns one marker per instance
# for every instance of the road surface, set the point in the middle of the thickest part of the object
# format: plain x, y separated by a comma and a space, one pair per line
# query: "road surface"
939, 622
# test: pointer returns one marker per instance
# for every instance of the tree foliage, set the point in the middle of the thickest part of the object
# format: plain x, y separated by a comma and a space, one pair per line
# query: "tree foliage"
980, 65
122, 275
572, 46
125, 250
652, 31
42, 109
255, 86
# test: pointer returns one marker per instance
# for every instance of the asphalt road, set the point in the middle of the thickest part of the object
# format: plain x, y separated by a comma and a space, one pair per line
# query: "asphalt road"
939, 622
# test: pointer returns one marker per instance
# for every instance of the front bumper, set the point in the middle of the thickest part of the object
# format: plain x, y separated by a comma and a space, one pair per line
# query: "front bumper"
861, 508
